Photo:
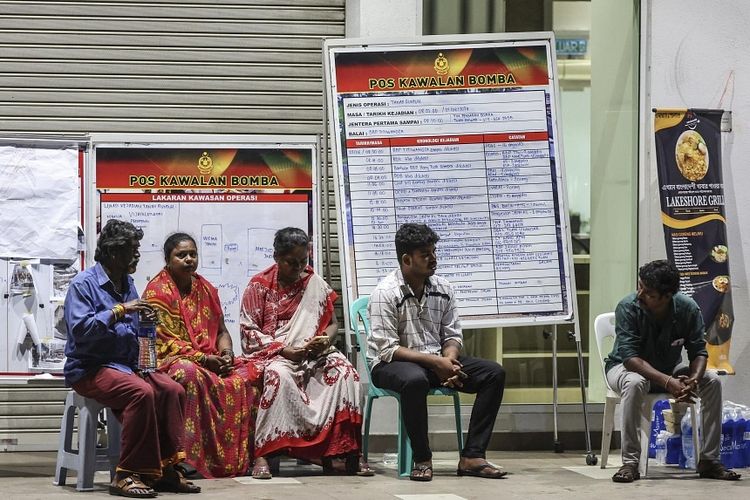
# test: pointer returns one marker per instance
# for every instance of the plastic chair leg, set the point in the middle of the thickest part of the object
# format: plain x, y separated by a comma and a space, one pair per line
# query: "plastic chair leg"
405, 460
366, 437
645, 434
459, 431
65, 441
86, 449
608, 425
697, 433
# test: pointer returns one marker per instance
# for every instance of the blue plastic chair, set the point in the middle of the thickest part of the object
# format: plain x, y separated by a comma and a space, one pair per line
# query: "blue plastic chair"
357, 314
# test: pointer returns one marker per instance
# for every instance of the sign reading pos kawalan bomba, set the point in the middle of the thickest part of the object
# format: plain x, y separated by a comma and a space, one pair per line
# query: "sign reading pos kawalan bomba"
688, 149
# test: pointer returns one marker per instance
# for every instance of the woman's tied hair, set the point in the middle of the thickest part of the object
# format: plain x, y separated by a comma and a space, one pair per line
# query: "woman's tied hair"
287, 239
173, 240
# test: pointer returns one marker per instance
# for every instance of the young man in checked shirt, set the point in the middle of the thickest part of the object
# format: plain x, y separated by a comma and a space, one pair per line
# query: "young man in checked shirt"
415, 344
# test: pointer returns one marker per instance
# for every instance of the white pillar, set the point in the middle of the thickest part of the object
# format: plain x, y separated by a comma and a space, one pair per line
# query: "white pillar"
383, 18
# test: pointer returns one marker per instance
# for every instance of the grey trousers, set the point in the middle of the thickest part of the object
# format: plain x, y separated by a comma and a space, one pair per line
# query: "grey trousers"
632, 388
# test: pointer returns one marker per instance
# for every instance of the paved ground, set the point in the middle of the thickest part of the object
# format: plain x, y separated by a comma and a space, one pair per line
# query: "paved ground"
531, 475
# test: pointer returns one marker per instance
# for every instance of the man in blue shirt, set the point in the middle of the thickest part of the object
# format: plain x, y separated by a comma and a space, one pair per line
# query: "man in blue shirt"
101, 314
653, 325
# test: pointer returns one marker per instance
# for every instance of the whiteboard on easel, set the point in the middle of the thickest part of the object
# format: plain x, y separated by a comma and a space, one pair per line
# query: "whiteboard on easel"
231, 196
462, 134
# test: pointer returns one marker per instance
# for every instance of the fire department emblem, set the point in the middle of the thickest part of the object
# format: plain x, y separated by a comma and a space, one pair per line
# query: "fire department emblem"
441, 64
205, 164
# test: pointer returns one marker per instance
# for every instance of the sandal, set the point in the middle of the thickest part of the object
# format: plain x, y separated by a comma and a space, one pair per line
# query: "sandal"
173, 481
627, 474
421, 472
715, 470
186, 469
485, 470
364, 469
132, 487
261, 471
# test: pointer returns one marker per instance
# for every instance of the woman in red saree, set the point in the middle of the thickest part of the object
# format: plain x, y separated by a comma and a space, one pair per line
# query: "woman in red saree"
310, 405
195, 349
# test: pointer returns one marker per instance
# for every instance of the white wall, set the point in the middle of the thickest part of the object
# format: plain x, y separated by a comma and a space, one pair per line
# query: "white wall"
692, 50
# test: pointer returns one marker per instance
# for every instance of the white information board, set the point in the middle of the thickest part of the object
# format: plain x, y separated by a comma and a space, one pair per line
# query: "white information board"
235, 239
231, 198
40, 199
460, 135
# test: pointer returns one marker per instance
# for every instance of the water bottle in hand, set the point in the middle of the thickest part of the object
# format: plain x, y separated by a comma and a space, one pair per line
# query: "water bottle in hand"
146, 344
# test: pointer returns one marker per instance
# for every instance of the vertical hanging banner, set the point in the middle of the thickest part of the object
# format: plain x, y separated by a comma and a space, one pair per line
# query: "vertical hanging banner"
688, 158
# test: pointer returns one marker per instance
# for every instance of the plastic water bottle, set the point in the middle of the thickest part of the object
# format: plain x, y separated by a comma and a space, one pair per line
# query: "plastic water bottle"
738, 439
674, 449
687, 440
727, 433
390, 458
146, 344
661, 447
746, 414
657, 424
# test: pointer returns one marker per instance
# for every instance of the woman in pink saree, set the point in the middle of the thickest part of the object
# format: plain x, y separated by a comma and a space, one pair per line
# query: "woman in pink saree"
310, 404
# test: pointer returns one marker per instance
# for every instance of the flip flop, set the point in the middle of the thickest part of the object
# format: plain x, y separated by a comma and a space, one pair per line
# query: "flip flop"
716, 470
421, 472
261, 472
627, 474
481, 471
364, 469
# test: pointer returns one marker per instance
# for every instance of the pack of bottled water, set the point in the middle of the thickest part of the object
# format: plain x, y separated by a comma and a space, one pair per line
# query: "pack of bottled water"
735, 437
735, 434
669, 448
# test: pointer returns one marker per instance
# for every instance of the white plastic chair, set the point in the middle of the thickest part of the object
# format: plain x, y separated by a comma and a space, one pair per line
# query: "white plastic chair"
604, 328
85, 458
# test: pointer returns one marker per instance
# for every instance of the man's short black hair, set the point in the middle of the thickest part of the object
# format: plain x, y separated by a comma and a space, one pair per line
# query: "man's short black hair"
660, 275
410, 237
116, 235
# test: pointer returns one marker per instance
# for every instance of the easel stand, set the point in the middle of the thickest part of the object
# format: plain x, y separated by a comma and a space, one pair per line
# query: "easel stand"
557, 446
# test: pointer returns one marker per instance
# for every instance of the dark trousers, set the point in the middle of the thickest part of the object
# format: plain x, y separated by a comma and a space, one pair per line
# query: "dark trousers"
151, 411
486, 379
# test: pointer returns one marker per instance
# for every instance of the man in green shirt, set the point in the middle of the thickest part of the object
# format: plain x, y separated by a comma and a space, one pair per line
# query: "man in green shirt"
653, 325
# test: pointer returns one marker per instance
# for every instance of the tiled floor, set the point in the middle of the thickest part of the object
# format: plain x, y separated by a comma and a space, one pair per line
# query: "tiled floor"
531, 475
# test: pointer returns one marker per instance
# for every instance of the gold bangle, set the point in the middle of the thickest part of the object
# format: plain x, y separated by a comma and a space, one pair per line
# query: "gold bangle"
118, 311
666, 384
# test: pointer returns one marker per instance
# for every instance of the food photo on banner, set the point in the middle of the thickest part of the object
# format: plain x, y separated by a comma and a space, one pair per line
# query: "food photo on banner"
688, 159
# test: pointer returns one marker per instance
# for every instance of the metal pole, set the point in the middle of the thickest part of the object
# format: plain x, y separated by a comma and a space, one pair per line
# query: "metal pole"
557, 446
590, 457
324, 187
